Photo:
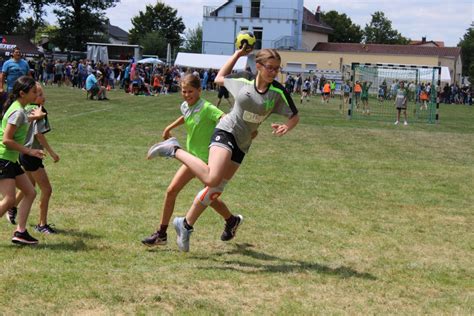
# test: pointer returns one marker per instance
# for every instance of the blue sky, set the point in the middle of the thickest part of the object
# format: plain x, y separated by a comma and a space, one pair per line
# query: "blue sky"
439, 20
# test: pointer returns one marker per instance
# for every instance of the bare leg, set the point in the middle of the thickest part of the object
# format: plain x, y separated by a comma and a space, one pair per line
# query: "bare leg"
197, 208
211, 175
24, 184
180, 179
19, 193
41, 177
7, 189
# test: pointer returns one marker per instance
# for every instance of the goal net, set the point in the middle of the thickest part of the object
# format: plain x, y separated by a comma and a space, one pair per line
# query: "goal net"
373, 90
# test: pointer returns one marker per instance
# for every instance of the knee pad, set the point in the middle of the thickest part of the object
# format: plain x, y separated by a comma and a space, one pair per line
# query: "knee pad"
209, 194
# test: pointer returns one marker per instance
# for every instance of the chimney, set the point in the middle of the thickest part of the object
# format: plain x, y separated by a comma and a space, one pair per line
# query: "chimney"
423, 40
317, 14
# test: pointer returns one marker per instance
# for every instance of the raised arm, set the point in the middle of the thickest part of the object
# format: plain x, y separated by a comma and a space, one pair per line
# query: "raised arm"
229, 65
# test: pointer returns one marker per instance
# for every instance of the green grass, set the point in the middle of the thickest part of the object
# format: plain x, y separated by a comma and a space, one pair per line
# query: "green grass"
341, 217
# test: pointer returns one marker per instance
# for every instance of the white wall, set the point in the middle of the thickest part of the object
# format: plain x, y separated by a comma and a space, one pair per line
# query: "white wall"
278, 18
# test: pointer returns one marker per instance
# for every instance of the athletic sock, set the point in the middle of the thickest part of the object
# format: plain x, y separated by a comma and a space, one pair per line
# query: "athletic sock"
162, 231
186, 225
231, 220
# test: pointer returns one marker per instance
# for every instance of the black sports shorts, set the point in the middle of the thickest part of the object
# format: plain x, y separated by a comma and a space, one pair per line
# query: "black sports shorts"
226, 140
31, 163
10, 169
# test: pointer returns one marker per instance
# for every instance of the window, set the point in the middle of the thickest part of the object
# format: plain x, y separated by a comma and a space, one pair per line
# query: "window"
255, 9
244, 28
238, 9
258, 32
311, 67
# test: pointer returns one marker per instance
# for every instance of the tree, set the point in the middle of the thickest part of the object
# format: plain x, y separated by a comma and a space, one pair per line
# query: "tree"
10, 15
153, 43
48, 31
467, 53
26, 27
36, 7
81, 21
158, 18
380, 31
193, 40
344, 30
471, 73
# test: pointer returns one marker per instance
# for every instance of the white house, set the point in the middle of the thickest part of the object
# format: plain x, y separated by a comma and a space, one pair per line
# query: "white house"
280, 24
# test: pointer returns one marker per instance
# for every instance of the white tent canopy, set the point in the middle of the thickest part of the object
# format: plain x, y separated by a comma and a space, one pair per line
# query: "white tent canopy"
207, 61
445, 75
151, 61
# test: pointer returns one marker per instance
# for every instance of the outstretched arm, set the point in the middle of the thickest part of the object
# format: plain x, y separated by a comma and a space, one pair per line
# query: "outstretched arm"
282, 129
167, 132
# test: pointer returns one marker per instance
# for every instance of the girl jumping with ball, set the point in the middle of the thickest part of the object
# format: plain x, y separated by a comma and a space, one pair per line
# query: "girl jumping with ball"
255, 100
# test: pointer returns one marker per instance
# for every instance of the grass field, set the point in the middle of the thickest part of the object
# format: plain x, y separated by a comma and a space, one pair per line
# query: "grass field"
341, 217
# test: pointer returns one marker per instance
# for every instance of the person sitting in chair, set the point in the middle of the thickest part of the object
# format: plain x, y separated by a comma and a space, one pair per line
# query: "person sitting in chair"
93, 87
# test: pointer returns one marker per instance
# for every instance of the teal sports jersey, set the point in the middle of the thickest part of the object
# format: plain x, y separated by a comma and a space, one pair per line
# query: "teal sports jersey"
251, 108
200, 121
15, 115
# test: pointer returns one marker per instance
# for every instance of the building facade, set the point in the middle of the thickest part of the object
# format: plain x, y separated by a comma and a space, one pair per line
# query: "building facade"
279, 24
333, 56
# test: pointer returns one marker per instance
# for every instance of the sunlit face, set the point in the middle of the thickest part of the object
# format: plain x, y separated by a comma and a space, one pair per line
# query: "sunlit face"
190, 94
269, 70
39, 95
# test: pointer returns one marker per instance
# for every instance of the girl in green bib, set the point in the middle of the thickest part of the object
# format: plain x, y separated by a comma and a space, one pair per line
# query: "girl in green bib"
200, 119
12, 134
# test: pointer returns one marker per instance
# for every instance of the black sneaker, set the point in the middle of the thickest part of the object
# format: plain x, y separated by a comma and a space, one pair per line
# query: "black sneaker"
11, 215
230, 230
155, 240
45, 229
23, 238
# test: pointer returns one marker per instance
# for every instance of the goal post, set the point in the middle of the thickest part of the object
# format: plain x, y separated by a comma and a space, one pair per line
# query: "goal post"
373, 89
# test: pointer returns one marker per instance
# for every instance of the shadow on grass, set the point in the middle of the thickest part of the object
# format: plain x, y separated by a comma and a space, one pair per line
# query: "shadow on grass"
73, 246
77, 233
281, 265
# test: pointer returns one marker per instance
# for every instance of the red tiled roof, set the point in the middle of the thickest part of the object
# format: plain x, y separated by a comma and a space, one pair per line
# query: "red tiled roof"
311, 24
437, 43
356, 48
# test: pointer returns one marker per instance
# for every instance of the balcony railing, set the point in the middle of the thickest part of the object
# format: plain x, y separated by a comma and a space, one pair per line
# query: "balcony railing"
285, 42
250, 12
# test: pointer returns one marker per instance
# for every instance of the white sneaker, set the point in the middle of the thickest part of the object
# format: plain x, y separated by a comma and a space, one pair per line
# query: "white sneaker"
182, 233
396, 123
166, 148
405, 123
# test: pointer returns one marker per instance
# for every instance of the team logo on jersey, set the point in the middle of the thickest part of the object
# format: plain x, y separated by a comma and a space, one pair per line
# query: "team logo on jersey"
269, 104
218, 138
